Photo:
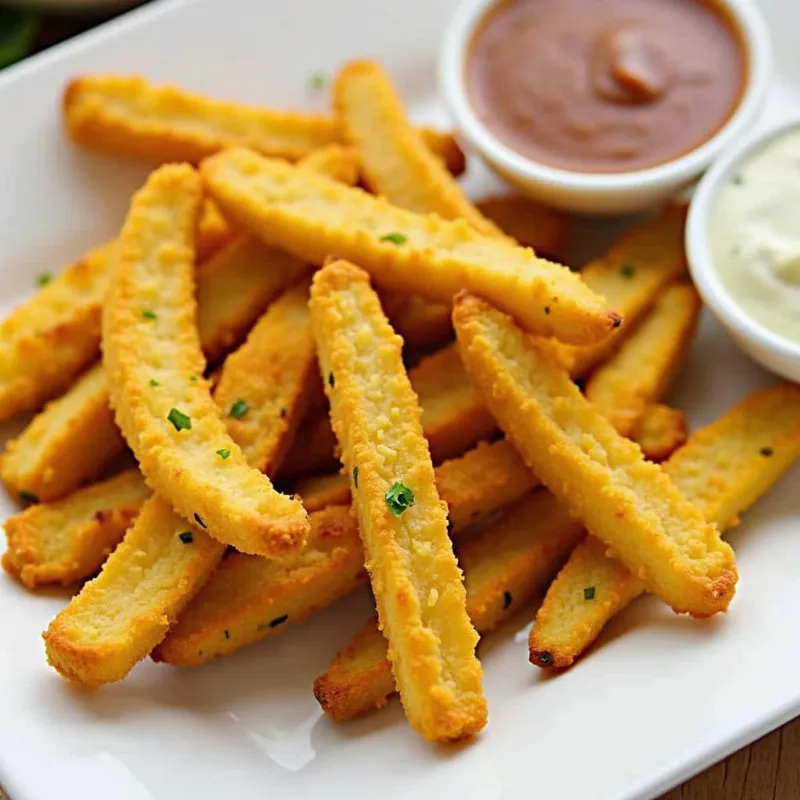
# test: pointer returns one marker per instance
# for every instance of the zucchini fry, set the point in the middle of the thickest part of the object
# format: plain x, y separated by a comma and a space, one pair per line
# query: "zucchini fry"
660, 432
68, 541
67, 444
602, 477
265, 385
724, 468
642, 370
118, 617
395, 161
529, 223
213, 231
402, 521
128, 116
505, 566
174, 428
311, 217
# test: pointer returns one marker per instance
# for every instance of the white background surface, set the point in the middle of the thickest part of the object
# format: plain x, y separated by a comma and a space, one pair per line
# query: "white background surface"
645, 710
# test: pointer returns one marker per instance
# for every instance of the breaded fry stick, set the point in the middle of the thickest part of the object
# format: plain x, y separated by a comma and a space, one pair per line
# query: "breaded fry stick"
123, 613
250, 598
311, 217
213, 231
395, 161
529, 223
338, 162
402, 521
660, 432
265, 384
505, 566
129, 116
643, 368
67, 444
174, 428
602, 477
724, 468
68, 541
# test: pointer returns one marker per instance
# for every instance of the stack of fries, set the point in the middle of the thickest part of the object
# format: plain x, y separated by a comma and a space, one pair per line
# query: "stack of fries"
253, 322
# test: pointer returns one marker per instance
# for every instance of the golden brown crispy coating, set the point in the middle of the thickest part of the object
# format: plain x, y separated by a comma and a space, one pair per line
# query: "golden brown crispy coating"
213, 231
724, 468
311, 217
66, 445
660, 432
118, 617
127, 115
414, 574
395, 161
174, 428
250, 598
505, 565
642, 370
602, 477
68, 541
269, 379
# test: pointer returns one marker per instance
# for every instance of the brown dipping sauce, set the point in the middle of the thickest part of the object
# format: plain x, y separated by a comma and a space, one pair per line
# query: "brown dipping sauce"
605, 85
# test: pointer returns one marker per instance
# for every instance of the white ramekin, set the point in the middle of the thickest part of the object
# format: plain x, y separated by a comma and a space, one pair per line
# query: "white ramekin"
761, 344
606, 193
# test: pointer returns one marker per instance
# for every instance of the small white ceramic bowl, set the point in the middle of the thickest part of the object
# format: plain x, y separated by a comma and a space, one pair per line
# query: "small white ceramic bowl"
761, 344
606, 193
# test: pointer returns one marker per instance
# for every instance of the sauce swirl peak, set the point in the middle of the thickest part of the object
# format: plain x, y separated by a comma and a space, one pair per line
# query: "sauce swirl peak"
605, 85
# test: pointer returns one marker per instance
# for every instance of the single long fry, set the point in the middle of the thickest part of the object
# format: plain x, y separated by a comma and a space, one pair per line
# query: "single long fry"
174, 427
417, 582
626, 501
644, 366
660, 432
269, 379
250, 598
127, 115
724, 468
68, 541
505, 566
311, 217
395, 161
119, 617
527, 222
67, 444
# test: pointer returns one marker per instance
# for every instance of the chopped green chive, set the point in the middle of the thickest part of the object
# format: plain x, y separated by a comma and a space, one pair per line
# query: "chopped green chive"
317, 80
627, 270
273, 623
180, 420
331, 380
238, 409
355, 477
547, 309
44, 279
28, 497
545, 659
395, 238
767, 452
193, 378
224, 453
153, 382
186, 537
398, 498
506, 600
588, 593
200, 521
148, 314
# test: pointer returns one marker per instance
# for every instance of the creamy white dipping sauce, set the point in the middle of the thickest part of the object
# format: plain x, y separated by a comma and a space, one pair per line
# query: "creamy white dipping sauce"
754, 233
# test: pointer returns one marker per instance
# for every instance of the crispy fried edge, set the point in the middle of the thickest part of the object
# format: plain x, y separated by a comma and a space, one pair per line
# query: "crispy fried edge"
324, 217
420, 597
661, 431
603, 477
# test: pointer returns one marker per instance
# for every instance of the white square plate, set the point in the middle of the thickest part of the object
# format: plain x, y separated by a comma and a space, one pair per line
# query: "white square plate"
658, 699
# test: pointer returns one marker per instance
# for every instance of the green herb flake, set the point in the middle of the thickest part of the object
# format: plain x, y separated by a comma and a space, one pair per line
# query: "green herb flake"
627, 270
28, 497
239, 409
395, 238
545, 658
331, 380
153, 383
148, 314
547, 309
181, 421
767, 452
193, 378
588, 593
186, 537
355, 477
44, 279
200, 521
318, 80
399, 498
224, 454
506, 600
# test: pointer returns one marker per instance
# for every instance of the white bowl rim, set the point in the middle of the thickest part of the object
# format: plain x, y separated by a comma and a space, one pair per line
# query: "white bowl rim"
701, 262
758, 51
